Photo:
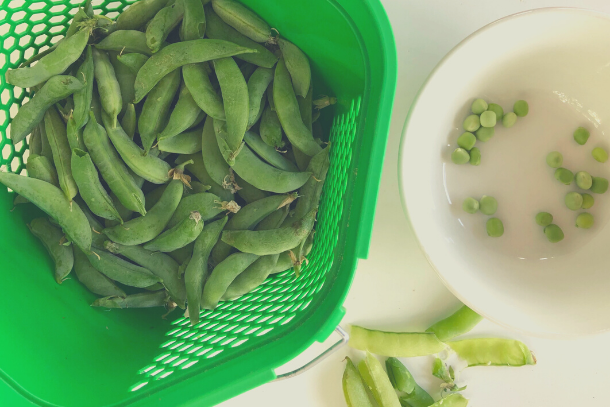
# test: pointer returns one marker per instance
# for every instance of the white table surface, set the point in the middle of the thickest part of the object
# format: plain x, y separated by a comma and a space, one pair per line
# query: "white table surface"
396, 289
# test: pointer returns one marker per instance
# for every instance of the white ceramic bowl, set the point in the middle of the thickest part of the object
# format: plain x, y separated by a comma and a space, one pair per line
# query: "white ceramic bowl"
559, 61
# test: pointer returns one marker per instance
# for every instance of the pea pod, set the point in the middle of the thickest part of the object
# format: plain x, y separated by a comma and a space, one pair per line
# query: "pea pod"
270, 128
121, 270
270, 241
183, 116
125, 78
243, 20
82, 98
182, 256
198, 83
129, 121
95, 281
35, 143
417, 398
399, 376
462, 321
156, 108
270, 96
126, 214
96, 228
159, 264
395, 344
197, 270
274, 220
31, 114
493, 352
193, 22
312, 190
178, 236
249, 192
268, 153
139, 300
284, 262
234, 91
51, 236
452, 400
133, 61
58, 140
139, 13
188, 142
174, 56
162, 24
305, 108
107, 85
219, 30
288, 112
378, 382
298, 66
42, 168
146, 228
222, 276
96, 105
55, 63
199, 171
74, 134
257, 86
125, 41
206, 204
215, 164
354, 388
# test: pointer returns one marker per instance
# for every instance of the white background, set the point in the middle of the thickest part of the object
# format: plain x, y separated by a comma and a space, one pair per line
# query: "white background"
396, 289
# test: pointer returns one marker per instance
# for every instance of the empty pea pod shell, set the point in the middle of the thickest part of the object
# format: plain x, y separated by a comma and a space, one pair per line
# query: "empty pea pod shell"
493, 352
185, 232
354, 388
378, 382
222, 276
139, 300
126, 42
95, 281
243, 20
395, 344
462, 321
139, 13
298, 66
51, 237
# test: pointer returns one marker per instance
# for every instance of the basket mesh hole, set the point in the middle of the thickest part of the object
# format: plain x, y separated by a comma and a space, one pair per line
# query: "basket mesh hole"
18, 16
15, 4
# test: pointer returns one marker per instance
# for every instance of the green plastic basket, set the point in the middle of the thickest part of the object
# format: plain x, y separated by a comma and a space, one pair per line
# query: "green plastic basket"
55, 350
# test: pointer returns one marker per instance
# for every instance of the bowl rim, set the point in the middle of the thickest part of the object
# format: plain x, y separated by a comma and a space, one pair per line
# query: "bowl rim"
401, 166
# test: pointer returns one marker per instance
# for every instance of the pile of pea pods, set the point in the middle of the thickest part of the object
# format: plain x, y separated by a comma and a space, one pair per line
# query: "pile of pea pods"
173, 150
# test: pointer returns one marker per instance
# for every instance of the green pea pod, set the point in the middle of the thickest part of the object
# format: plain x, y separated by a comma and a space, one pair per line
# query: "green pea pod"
462, 321
160, 264
176, 55
90, 187
493, 352
270, 128
121, 270
288, 112
95, 281
149, 167
302, 160
354, 388
178, 236
193, 22
152, 197
51, 237
82, 98
234, 91
58, 140
97, 237
55, 63
111, 167
126, 214
312, 190
139, 300
146, 228
300, 252
376, 379
257, 86
77, 20
129, 121
243, 20
139, 13
417, 398
274, 220
125, 41
305, 108
156, 108
198, 82
35, 143
266, 177
96, 105
125, 78
197, 270
183, 115
42, 168
31, 113
199, 171
395, 344
222, 276
284, 262
107, 85
182, 255
270, 96
452, 400
298, 66
399, 376
270, 241
133, 61
251, 277
249, 192
206, 204
74, 134
163, 23
215, 164
188, 142
247, 69
268, 153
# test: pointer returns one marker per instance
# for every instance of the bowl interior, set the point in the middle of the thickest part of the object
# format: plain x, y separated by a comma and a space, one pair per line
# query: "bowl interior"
559, 61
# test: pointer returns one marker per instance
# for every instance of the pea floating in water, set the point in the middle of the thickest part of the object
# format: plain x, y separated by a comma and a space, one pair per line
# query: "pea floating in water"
479, 106
584, 220
583, 180
553, 233
564, 176
475, 156
587, 201
544, 218
472, 123
495, 227
488, 205
573, 200
466, 141
581, 135
521, 108
599, 185
460, 156
470, 205
485, 133
599, 154
488, 119
497, 109
509, 119
554, 159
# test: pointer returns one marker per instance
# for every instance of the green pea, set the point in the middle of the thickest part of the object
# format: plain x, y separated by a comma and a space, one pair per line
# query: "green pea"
354, 389
488, 119
544, 218
139, 300
470, 205
243, 20
95, 281
493, 352
82, 98
521, 108
472, 123
138, 14
55, 129
268, 153
488, 205
222, 276
458, 323
564, 176
51, 236
121, 270
495, 227
599, 154
587, 201
270, 128
599, 185
485, 133
479, 106
475, 156
497, 109
466, 141
553, 233
183, 116
257, 86
554, 159
584, 220
298, 66
583, 180
460, 156
573, 200
509, 119
581, 135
